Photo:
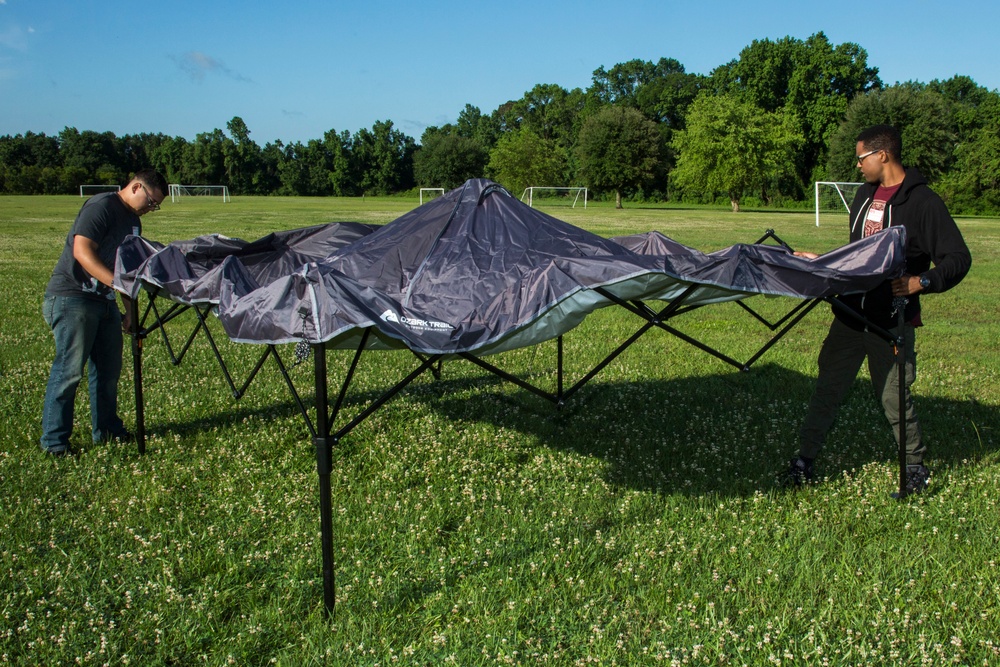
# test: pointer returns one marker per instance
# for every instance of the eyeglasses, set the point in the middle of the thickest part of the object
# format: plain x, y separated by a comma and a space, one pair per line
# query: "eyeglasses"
151, 203
861, 158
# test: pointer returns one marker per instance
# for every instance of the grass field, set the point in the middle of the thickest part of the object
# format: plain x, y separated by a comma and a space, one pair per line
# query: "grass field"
475, 524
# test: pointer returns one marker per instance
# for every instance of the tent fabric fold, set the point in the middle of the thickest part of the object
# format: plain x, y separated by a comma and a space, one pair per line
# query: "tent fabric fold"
472, 271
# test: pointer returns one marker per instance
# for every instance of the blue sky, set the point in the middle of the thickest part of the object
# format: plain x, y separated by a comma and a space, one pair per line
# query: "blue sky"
295, 69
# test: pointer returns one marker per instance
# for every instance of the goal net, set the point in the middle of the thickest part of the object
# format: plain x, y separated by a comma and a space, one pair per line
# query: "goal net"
430, 193
538, 195
91, 190
177, 191
834, 197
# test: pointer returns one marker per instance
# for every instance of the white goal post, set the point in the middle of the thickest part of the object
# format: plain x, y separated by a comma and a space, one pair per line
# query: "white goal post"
90, 190
832, 195
564, 193
423, 190
177, 190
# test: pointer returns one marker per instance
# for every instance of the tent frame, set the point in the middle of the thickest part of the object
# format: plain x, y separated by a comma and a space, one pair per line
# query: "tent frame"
324, 431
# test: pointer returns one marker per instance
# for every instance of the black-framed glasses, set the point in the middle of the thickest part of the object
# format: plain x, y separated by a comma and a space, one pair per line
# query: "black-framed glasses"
861, 158
151, 203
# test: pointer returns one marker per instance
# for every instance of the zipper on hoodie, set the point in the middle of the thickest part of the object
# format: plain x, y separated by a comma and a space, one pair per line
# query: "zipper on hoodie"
864, 209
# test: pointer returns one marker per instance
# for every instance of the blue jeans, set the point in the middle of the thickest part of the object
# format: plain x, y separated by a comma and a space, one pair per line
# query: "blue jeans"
86, 330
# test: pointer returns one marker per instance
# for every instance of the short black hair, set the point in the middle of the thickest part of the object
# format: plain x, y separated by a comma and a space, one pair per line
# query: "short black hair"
883, 138
152, 179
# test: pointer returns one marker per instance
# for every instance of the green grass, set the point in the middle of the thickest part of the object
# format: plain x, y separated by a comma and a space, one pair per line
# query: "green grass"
477, 525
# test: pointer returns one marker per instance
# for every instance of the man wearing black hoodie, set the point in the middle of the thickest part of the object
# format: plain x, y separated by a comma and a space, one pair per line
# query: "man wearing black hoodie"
892, 195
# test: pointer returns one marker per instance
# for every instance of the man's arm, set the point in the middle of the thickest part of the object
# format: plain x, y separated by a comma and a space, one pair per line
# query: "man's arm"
85, 252
943, 241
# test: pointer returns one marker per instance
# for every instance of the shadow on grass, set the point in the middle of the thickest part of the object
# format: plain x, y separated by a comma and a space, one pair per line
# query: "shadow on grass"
730, 433
726, 433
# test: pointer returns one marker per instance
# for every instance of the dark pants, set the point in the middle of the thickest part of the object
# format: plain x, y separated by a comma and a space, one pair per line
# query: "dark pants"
839, 362
87, 332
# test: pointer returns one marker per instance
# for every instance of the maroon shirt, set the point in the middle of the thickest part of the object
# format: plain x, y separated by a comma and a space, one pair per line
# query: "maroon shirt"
875, 219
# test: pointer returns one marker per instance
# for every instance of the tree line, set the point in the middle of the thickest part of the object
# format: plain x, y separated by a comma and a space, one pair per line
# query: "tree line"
758, 130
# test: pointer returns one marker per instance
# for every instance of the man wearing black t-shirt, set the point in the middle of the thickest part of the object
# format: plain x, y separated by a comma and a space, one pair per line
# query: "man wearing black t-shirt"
892, 195
80, 308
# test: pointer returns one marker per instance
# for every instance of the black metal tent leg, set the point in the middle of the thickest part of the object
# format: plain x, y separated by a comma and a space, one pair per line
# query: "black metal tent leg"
901, 368
140, 406
802, 312
559, 372
324, 465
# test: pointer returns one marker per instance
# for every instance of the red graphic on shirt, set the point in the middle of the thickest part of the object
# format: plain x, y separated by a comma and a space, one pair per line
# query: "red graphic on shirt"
874, 218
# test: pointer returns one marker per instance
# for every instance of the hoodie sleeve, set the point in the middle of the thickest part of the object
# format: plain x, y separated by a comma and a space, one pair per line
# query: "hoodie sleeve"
941, 239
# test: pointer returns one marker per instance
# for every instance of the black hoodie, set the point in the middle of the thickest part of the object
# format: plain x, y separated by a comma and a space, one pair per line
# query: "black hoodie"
931, 236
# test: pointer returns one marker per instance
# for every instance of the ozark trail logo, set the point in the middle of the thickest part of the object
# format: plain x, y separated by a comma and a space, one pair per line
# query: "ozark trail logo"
413, 323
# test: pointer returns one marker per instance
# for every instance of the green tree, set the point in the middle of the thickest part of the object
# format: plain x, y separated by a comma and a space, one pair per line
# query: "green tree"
665, 97
342, 176
241, 157
621, 84
522, 158
448, 160
204, 160
618, 150
31, 163
731, 146
970, 103
973, 185
271, 156
812, 81
923, 118
384, 159
306, 169
319, 166
167, 157
135, 148
550, 112
293, 173
91, 151
473, 124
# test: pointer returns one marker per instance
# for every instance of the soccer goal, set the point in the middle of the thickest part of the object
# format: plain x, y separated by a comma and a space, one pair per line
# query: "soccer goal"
430, 194
177, 191
833, 197
543, 195
91, 190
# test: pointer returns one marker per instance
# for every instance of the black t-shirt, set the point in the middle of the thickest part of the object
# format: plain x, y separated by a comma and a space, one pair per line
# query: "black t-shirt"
105, 219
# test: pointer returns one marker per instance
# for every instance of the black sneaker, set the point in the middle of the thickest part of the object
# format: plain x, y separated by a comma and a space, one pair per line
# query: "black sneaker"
799, 472
64, 452
917, 478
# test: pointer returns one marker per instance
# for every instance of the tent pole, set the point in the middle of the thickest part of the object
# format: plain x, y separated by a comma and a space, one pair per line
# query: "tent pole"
140, 407
324, 464
559, 370
900, 349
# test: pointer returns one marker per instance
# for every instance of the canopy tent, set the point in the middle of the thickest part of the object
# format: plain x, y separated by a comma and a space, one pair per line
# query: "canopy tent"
472, 271
469, 274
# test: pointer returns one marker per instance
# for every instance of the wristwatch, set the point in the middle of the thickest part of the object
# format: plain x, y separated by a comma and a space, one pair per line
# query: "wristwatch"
925, 282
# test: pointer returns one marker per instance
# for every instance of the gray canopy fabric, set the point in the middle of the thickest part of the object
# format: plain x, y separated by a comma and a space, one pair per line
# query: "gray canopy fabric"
474, 271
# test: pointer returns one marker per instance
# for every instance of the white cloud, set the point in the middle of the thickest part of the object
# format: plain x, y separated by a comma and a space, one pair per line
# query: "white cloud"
197, 65
15, 38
